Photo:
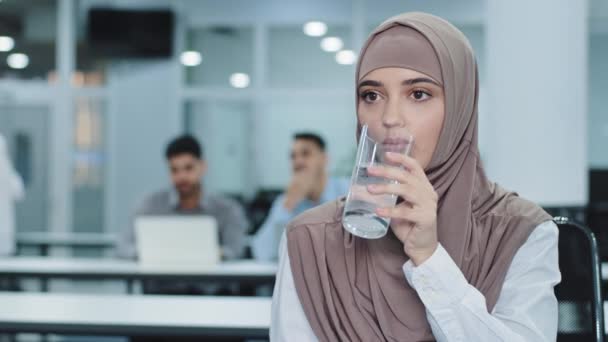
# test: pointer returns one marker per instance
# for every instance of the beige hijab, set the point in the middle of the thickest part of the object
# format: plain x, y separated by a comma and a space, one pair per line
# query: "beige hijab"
354, 289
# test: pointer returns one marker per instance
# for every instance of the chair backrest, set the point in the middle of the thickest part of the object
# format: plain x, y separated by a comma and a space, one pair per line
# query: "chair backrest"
581, 315
259, 207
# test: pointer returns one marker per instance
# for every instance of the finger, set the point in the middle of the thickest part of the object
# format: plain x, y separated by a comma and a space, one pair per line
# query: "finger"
361, 193
415, 170
406, 161
399, 212
390, 172
405, 191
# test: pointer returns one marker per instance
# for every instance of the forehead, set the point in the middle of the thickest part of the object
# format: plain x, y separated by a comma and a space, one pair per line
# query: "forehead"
394, 73
182, 159
304, 144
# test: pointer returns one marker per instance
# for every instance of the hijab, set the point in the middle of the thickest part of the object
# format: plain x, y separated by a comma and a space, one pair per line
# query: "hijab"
354, 289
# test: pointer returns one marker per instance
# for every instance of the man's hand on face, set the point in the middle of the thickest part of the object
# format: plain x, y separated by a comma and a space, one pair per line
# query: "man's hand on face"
299, 188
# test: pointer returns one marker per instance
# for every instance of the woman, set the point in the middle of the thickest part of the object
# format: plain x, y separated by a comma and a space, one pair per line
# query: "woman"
464, 260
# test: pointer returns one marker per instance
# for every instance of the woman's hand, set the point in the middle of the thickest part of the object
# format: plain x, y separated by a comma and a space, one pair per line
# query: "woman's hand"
414, 221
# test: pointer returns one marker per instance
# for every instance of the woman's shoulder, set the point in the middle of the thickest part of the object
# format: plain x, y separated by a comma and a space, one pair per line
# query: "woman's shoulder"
519, 206
329, 213
509, 204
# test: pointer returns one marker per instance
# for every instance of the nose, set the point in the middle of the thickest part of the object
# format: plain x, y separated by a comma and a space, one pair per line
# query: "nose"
180, 174
393, 115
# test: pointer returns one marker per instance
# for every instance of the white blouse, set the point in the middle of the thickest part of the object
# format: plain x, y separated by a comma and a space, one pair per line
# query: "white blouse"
526, 309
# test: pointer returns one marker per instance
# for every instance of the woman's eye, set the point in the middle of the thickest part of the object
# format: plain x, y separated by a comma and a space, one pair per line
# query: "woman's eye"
370, 96
420, 95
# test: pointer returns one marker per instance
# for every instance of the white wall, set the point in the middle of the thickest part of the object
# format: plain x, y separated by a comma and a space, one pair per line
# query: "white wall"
537, 87
143, 116
598, 101
224, 53
286, 11
279, 118
224, 129
296, 60
462, 12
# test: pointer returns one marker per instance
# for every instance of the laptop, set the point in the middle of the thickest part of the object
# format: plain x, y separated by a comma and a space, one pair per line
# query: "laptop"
177, 241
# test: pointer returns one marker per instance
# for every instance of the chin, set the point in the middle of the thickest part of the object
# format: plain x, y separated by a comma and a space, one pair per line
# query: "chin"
185, 192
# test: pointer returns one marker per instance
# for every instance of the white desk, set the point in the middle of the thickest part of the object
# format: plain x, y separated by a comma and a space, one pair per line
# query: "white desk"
44, 240
122, 315
243, 272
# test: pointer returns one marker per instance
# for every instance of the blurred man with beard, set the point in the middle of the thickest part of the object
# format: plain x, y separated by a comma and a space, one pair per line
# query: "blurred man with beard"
310, 186
187, 167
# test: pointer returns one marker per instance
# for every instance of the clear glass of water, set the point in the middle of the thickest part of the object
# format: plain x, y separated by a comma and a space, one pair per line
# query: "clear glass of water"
359, 216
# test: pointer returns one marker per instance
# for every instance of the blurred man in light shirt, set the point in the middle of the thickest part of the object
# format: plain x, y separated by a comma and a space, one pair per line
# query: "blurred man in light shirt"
310, 186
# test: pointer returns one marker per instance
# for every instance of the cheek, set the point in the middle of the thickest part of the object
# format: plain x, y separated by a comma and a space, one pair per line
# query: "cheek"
192, 178
427, 133
370, 114
374, 122
178, 177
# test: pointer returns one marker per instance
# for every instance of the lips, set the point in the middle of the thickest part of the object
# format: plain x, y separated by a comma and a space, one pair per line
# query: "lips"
395, 145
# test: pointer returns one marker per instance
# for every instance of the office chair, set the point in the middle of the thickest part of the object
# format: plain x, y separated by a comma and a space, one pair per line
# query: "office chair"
581, 309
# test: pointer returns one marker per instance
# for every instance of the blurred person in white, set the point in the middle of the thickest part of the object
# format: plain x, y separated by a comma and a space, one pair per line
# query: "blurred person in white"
11, 190
309, 187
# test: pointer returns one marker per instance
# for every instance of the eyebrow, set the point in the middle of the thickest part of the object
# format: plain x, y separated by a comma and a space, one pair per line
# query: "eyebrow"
420, 80
410, 81
370, 83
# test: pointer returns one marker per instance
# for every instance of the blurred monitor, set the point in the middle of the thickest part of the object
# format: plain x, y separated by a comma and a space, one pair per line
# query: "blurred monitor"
177, 241
130, 33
